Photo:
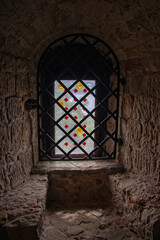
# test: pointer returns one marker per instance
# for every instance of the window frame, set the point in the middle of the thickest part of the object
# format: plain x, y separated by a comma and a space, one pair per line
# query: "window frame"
98, 153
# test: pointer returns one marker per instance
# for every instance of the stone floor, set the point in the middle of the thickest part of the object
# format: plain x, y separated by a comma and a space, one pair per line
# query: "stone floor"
132, 214
90, 224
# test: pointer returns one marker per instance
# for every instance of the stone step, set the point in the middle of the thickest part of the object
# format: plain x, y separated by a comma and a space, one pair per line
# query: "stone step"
78, 184
21, 209
109, 167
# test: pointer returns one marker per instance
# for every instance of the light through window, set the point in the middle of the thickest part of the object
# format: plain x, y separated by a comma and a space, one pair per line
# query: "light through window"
78, 132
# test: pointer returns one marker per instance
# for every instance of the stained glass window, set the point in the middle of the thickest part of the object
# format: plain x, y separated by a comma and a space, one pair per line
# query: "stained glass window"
78, 95
78, 113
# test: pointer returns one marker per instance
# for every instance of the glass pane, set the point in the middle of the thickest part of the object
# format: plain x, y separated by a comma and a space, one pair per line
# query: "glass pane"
69, 121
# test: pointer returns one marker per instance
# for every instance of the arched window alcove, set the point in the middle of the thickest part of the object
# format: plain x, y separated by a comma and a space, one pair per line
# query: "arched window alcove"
78, 98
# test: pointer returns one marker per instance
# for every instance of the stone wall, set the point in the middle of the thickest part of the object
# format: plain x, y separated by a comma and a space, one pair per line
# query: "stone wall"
76, 189
140, 117
138, 203
17, 125
131, 28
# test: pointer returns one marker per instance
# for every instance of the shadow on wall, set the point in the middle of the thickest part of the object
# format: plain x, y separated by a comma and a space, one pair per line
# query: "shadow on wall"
156, 230
3, 234
76, 189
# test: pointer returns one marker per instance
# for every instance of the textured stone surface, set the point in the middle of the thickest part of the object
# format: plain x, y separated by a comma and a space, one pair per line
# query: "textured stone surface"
109, 167
16, 134
134, 214
138, 199
21, 209
79, 189
78, 184
132, 30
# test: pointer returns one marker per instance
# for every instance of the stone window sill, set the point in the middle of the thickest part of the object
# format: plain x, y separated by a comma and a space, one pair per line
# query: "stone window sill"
109, 167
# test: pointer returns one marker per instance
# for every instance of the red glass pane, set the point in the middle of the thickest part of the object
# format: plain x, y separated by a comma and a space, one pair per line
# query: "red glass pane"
66, 117
66, 99
66, 126
75, 90
66, 143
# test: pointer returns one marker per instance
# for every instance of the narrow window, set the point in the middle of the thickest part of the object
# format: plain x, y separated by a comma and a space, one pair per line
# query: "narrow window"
79, 112
78, 94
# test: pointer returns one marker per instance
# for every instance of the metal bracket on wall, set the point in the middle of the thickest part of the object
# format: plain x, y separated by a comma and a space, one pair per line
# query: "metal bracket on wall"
30, 104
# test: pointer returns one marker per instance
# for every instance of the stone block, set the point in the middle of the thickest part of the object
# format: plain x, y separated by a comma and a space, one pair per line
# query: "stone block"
20, 135
2, 110
14, 108
87, 190
127, 106
150, 137
111, 124
158, 140
21, 66
112, 103
143, 160
3, 216
134, 83
125, 155
132, 64
24, 207
134, 132
15, 173
109, 145
4, 180
7, 84
25, 159
22, 84
33, 85
7, 63
153, 65
123, 128
4, 139
113, 81
33, 116
151, 85
146, 109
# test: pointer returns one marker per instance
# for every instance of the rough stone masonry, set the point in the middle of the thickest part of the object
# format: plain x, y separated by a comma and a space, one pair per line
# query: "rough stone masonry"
132, 29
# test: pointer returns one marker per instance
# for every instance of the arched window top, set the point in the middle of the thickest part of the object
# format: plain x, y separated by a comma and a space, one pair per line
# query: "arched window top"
78, 95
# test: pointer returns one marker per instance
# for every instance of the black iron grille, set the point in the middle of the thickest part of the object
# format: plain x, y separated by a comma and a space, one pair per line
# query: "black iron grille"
78, 96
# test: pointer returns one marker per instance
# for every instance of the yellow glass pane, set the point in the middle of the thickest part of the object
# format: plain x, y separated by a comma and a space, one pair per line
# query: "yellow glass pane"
62, 103
80, 86
79, 131
60, 86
